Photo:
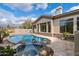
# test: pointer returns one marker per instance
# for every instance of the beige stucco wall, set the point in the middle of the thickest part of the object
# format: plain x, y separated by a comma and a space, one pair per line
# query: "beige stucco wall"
57, 23
43, 20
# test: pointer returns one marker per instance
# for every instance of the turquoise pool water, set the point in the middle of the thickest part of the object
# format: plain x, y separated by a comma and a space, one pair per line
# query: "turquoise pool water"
25, 38
28, 50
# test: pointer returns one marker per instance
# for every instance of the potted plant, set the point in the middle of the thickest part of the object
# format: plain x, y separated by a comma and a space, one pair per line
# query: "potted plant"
65, 35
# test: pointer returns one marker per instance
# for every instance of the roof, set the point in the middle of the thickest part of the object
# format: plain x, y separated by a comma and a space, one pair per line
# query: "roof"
67, 14
58, 16
44, 16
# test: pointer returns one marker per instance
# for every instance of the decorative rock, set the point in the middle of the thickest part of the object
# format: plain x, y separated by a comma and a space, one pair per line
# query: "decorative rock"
47, 41
43, 53
34, 41
46, 51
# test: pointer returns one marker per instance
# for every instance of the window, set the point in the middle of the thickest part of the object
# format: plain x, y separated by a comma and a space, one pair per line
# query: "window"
34, 26
43, 27
49, 26
62, 26
77, 23
38, 27
69, 25
66, 26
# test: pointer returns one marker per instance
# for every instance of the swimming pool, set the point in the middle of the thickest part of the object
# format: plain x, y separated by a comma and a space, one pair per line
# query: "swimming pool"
26, 49
26, 38
33, 50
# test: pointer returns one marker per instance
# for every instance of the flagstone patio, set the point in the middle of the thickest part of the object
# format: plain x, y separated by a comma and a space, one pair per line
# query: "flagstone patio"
63, 48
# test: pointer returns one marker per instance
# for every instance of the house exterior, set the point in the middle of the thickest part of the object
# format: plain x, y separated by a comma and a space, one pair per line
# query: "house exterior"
50, 25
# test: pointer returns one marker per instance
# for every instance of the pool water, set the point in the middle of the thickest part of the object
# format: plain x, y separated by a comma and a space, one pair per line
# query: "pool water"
28, 50
25, 38
32, 49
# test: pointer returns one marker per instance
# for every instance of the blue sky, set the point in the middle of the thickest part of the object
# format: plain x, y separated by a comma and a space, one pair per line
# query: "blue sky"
34, 10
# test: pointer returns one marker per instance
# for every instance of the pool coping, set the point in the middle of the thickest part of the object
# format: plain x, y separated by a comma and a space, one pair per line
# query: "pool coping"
23, 34
47, 37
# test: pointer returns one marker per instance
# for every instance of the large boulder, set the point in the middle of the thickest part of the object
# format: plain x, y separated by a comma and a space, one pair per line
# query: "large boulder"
46, 51
47, 41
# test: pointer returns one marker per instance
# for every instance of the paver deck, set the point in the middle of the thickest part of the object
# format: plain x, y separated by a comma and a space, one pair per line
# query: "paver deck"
61, 47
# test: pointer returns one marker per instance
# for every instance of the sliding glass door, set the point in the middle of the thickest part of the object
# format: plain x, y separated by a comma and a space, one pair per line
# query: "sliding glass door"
77, 23
66, 25
43, 27
49, 26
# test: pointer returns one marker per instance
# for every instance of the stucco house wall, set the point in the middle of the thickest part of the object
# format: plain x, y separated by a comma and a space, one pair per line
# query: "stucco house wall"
57, 23
43, 20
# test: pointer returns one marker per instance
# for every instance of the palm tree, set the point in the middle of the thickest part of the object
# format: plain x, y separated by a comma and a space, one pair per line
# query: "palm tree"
27, 24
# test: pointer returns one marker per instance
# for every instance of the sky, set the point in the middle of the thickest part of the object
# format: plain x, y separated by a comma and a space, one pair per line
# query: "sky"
14, 13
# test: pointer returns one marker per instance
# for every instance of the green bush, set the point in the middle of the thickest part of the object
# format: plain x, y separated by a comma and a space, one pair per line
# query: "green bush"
5, 33
7, 51
66, 34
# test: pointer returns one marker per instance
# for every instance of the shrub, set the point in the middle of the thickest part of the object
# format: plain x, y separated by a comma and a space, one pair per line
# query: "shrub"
65, 35
3, 34
7, 51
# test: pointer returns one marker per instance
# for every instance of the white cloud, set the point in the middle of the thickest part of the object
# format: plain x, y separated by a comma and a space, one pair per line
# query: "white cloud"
41, 6
55, 11
8, 18
23, 19
27, 6
21, 22
21, 6
52, 12
33, 19
73, 8
3, 20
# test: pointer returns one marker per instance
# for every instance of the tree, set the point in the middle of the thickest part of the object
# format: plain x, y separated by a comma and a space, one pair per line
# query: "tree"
3, 33
1, 36
27, 24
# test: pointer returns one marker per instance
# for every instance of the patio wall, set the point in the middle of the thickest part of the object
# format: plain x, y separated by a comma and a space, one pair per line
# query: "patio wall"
77, 43
45, 34
22, 31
